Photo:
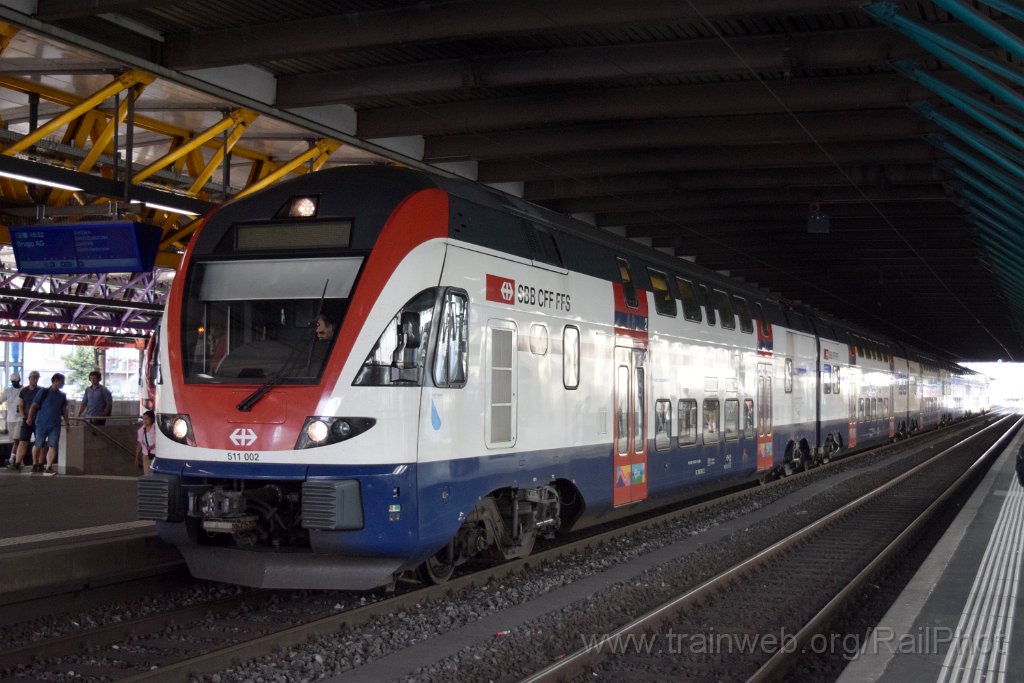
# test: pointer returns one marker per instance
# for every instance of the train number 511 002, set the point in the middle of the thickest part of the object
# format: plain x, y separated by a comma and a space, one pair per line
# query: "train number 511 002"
243, 456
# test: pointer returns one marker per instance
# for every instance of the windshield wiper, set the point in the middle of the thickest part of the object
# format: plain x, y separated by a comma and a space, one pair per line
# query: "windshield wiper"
252, 399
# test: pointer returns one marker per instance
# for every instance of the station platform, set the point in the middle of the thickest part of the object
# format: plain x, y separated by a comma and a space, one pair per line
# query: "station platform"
68, 532
961, 617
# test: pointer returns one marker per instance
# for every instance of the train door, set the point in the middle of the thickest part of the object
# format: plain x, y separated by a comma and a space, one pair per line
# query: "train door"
855, 401
500, 415
890, 404
630, 438
765, 456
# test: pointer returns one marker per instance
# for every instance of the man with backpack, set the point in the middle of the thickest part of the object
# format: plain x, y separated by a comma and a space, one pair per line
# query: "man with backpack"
49, 406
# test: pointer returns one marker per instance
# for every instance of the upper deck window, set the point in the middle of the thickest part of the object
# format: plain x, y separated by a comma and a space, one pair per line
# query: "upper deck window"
628, 286
746, 322
664, 302
725, 314
691, 307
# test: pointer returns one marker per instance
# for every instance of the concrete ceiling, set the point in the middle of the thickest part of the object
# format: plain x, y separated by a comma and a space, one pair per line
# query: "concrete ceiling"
710, 129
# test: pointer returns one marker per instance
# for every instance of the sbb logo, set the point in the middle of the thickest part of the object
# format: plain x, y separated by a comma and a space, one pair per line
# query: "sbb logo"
501, 289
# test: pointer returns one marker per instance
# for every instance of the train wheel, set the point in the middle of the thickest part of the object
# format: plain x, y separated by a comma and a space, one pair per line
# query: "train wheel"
831, 448
439, 567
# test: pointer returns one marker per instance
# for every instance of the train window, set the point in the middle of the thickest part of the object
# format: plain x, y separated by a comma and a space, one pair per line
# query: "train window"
542, 245
860, 410
885, 408
711, 423
874, 408
826, 379
398, 357
664, 302
748, 419
687, 428
640, 414
251, 330
787, 380
452, 340
538, 339
571, 357
628, 286
705, 296
662, 424
724, 308
691, 307
732, 419
743, 311
835, 379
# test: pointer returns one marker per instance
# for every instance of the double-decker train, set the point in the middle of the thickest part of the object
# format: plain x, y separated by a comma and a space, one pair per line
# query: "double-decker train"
372, 370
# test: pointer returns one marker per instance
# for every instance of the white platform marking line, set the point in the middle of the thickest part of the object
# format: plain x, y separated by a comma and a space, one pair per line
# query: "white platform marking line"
71, 533
1015, 549
983, 634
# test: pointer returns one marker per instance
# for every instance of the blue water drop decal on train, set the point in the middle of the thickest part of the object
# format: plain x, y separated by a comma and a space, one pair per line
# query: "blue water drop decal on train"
435, 419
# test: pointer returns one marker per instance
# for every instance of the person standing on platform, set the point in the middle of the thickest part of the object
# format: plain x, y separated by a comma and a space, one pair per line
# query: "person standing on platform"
13, 421
49, 406
25, 398
97, 401
145, 448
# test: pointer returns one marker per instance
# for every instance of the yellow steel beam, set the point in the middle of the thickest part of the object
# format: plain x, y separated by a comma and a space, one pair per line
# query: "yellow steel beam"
226, 123
174, 239
144, 122
125, 80
7, 32
106, 137
320, 147
218, 156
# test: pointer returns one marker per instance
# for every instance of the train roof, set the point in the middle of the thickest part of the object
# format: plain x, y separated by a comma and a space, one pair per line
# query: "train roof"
490, 218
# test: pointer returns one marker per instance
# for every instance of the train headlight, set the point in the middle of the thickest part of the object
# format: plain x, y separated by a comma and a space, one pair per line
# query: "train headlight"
317, 431
177, 427
323, 431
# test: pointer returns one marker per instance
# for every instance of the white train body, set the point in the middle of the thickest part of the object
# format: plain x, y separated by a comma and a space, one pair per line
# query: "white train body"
497, 373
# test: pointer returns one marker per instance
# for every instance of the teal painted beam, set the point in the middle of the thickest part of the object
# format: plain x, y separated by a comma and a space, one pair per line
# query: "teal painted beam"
1007, 133
1014, 228
1008, 158
957, 56
1010, 9
1015, 211
984, 26
979, 165
1002, 181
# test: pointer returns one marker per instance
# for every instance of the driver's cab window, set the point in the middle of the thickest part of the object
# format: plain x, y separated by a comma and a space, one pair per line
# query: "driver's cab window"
399, 356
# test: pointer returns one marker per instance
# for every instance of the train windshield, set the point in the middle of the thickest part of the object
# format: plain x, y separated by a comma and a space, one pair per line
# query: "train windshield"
255, 321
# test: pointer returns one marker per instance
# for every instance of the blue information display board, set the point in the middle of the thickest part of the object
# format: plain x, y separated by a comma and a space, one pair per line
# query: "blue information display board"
122, 247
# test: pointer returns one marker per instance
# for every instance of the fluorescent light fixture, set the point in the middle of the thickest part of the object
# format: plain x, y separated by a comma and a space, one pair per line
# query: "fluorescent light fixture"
40, 181
164, 207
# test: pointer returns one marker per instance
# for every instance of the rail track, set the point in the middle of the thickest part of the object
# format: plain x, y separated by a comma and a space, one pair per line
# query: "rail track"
211, 636
755, 620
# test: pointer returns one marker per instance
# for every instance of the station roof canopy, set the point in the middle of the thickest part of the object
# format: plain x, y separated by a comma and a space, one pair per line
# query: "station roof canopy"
863, 160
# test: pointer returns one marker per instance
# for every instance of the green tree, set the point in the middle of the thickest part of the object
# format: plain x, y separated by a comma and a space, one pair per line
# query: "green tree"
80, 363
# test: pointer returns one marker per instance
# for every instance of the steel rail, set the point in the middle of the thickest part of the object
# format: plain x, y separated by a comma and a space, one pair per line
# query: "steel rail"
584, 659
224, 657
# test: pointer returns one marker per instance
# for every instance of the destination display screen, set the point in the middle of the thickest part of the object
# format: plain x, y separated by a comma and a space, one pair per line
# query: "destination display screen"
293, 235
121, 247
